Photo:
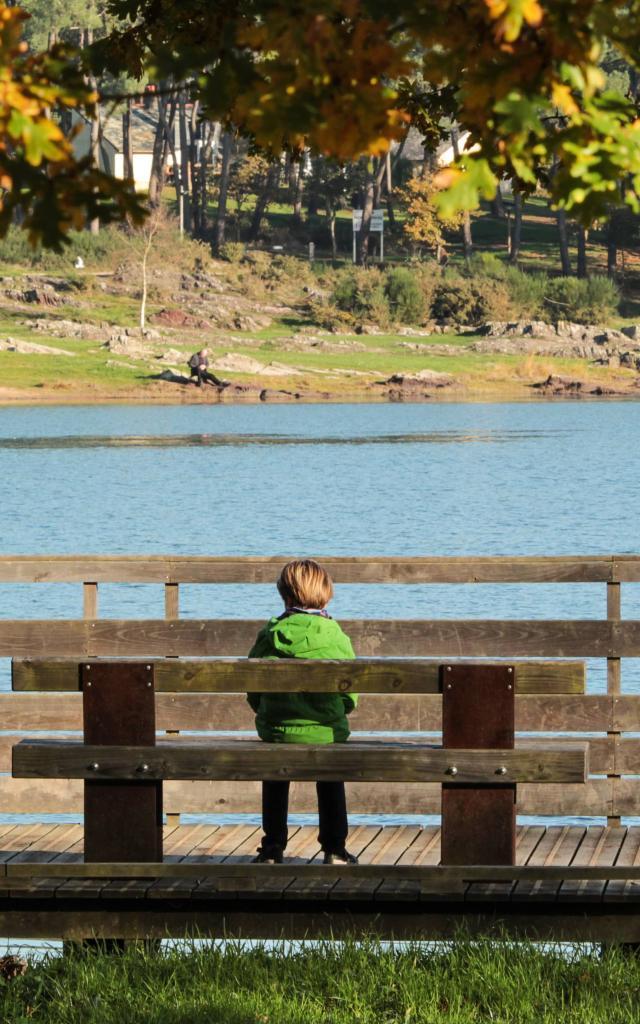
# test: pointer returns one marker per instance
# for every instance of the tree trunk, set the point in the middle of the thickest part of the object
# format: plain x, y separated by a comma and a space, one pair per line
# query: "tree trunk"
563, 239
263, 200
298, 193
127, 147
372, 192
185, 200
95, 130
582, 252
206, 156
221, 222
467, 241
516, 234
612, 246
169, 136
497, 204
331, 221
313, 190
157, 160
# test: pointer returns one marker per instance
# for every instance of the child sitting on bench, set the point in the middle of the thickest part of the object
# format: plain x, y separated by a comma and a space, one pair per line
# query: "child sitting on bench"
304, 630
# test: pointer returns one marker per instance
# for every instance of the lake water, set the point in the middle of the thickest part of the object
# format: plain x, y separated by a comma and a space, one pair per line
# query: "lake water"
450, 479
446, 479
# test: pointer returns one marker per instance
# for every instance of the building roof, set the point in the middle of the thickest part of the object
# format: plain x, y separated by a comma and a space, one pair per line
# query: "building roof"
143, 128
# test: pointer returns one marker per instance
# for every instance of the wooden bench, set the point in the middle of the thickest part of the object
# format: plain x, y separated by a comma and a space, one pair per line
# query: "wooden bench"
574, 880
124, 767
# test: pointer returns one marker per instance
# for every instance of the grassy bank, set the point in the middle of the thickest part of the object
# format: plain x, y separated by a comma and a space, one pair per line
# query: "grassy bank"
468, 983
275, 322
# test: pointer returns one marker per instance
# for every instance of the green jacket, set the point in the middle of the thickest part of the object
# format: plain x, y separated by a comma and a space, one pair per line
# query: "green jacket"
302, 717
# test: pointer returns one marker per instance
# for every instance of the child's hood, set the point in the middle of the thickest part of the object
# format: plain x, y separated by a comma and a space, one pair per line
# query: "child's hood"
309, 636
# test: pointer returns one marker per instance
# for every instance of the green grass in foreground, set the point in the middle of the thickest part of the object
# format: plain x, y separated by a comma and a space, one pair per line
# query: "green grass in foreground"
347, 983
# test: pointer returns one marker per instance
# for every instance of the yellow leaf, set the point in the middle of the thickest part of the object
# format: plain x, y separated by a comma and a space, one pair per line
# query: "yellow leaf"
446, 177
561, 96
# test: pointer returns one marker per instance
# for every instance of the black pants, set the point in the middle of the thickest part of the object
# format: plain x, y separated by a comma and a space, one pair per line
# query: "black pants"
332, 812
204, 376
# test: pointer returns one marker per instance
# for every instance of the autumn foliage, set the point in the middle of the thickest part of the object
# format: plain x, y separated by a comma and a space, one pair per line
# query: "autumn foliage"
40, 177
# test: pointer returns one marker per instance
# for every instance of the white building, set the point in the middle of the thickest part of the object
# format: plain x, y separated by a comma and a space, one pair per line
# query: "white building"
143, 131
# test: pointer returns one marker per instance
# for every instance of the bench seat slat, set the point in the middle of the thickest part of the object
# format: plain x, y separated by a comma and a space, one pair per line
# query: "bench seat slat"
374, 761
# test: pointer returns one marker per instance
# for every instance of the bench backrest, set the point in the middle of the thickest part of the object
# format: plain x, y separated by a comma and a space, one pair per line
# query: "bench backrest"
557, 705
399, 699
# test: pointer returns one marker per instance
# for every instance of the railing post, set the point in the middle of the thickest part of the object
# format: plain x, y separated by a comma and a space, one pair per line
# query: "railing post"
478, 712
122, 820
90, 600
172, 611
614, 606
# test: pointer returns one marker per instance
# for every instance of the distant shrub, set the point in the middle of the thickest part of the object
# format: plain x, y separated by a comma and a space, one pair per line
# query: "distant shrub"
109, 242
330, 318
527, 294
487, 264
586, 301
361, 292
470, 301
232, 252
404, 295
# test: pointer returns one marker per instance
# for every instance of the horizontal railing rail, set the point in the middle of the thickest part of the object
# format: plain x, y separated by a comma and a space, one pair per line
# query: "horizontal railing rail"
443, 638
370, 569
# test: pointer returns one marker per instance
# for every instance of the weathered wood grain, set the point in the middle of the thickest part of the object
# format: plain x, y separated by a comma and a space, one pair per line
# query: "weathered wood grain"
405, 713
481, 638
377, 569
601, 750
254, 761
64, 796
243, 675
424, 873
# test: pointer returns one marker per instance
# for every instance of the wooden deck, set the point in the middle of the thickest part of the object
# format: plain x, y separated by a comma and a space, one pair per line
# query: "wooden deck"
537, 846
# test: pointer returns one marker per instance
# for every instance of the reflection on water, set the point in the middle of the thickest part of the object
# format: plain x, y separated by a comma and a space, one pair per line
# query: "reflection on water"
243, 440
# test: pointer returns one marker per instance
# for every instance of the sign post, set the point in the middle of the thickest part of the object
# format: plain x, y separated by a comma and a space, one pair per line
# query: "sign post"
377, 224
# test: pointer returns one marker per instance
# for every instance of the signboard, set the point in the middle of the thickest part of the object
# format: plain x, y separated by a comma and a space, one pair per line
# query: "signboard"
377, 220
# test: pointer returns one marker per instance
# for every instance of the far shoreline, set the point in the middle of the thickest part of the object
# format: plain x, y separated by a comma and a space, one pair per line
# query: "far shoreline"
25, 398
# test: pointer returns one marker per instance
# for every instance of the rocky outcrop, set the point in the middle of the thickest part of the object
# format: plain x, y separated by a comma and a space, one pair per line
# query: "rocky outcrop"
30, 348
564, 339
179, 318
566, 386
233, 362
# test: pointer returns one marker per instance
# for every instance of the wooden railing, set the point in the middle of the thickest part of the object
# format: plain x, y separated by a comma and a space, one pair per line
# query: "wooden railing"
615, 759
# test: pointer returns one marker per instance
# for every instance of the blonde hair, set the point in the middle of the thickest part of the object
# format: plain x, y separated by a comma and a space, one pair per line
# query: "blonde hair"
305, 584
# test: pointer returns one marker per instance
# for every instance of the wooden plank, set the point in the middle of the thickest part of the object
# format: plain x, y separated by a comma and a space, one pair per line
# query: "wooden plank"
386, 847
600, 846
411, 712
227, 759
377, 569
563, 842
557, 849
626, 797
601, 750
628, 857
64, 844
478, 822
179, 844
528, 838
423, 850
120, 818
481, 638
22, 796
244, 675
90, 600
64, 796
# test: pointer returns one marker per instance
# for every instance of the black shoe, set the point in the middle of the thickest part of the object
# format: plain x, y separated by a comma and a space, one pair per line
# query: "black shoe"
342, 857
272, 855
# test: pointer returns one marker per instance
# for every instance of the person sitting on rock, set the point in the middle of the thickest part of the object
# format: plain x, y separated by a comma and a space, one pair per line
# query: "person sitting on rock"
199, 366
